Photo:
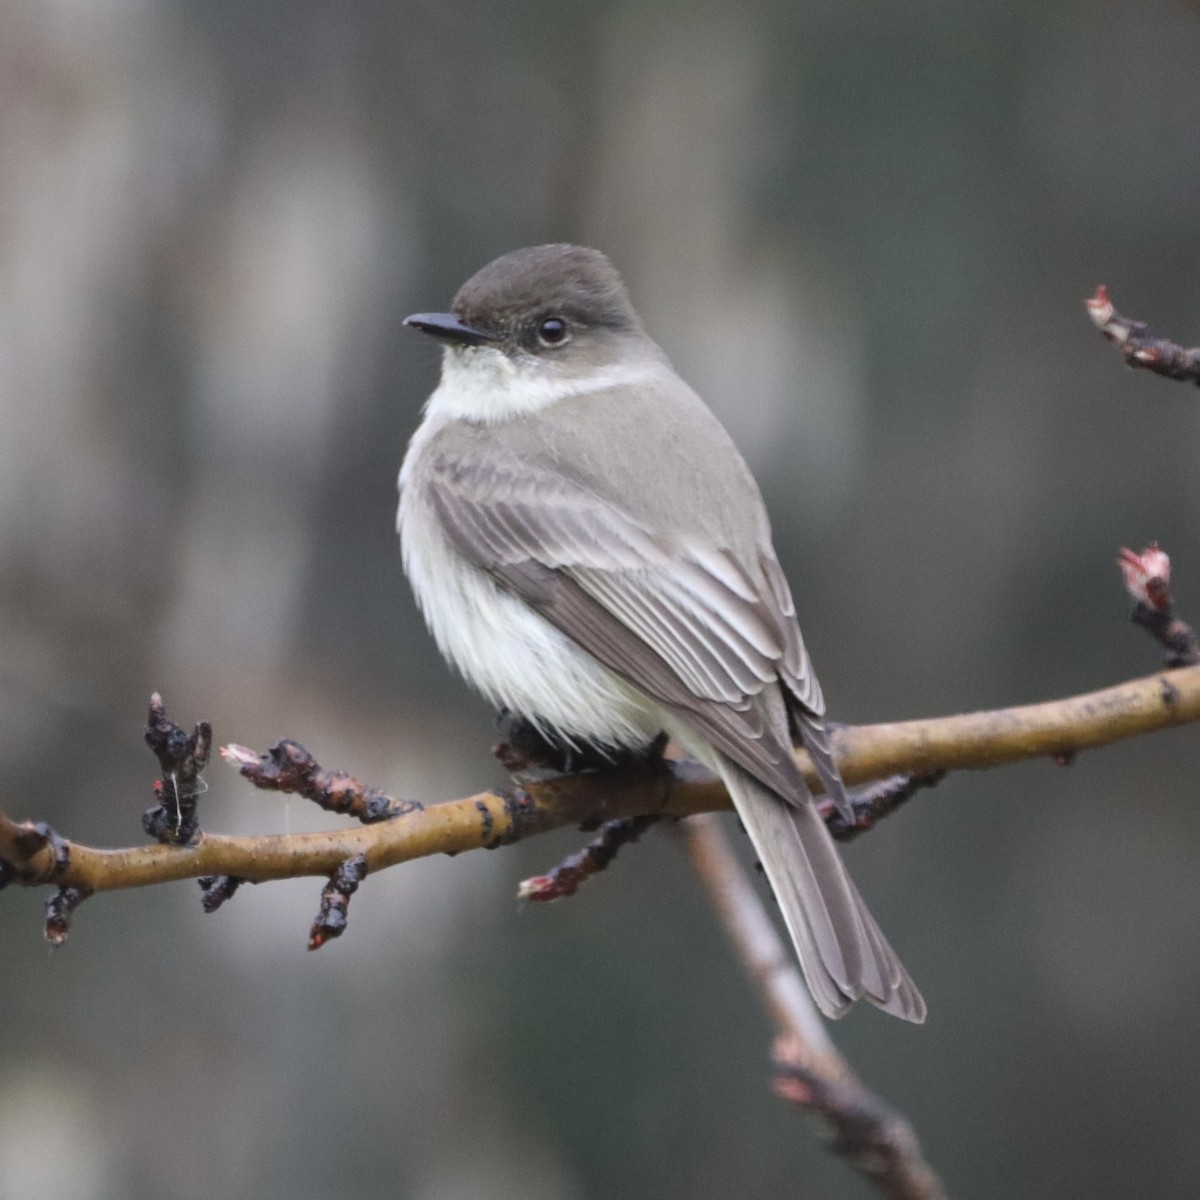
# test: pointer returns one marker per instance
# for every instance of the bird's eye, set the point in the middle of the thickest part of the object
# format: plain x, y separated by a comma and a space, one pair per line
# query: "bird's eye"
552, 331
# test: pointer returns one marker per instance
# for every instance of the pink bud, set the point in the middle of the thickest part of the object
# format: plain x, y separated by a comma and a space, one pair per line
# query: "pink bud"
1100, 307
539, 887
1147, 575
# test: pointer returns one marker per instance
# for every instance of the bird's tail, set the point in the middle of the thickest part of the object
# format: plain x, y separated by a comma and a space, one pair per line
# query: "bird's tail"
842, 952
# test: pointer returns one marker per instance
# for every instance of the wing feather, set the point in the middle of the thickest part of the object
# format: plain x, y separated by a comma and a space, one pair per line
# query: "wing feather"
691, 627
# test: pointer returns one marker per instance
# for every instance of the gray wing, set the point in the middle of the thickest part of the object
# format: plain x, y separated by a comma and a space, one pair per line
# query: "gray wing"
691, 626
806, 704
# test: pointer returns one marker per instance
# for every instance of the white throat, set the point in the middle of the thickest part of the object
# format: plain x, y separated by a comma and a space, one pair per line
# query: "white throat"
483, 385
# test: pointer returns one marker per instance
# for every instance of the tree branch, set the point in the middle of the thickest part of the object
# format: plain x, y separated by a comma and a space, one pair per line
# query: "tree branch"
1058, 728
872, 1137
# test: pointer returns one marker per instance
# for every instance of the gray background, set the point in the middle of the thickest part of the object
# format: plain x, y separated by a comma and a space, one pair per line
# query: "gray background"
863, 231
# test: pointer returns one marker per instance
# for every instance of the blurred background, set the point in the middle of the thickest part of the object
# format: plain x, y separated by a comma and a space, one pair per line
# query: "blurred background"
864, 231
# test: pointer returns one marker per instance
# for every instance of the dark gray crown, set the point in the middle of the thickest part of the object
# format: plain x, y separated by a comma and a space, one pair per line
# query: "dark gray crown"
561, 280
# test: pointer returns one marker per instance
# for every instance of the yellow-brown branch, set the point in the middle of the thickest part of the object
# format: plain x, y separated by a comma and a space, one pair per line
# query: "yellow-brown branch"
865, 752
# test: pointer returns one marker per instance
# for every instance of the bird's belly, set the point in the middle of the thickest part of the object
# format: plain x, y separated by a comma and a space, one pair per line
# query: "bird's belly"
517, 659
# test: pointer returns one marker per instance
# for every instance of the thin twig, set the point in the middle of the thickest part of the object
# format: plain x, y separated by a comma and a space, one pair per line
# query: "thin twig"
59, 909
875, 1139
1139, 347
1148, 580
874, 801
564, 880
335, 902
870, 804
182, 757
288, 767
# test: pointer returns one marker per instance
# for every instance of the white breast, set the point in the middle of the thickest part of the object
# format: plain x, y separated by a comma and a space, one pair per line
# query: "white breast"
512, 655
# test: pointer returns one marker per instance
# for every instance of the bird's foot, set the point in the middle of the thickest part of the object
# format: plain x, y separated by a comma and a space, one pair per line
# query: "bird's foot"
525, 748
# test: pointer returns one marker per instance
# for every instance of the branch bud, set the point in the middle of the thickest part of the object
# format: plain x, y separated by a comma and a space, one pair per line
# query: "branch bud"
1147, 576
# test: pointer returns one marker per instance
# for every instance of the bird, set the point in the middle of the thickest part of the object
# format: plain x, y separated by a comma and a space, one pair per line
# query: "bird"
591, 552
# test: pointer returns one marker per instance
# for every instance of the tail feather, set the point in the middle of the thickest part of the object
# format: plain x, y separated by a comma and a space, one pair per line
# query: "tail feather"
842, 952
901, 997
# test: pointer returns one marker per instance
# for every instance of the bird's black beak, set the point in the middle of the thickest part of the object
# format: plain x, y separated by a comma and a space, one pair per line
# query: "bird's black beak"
448, 327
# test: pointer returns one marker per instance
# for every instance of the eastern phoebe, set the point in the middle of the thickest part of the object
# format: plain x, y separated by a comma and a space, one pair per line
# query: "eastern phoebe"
591, 551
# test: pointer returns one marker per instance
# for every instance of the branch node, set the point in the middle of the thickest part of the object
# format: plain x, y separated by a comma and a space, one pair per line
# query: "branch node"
38, 855
335, 901
60, 848
524, 816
